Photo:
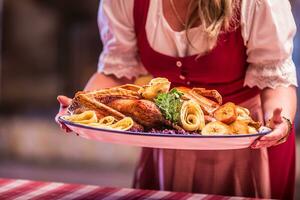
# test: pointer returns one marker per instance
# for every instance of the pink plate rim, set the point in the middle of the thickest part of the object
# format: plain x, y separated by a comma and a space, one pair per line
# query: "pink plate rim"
159, 134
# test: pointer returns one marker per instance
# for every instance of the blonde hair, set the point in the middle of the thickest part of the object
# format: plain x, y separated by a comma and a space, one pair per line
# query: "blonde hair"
215, 16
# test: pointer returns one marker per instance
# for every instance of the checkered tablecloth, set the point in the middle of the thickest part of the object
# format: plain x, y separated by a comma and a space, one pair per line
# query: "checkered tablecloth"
11, 189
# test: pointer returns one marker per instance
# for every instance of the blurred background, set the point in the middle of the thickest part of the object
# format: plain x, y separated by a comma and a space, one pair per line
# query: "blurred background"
51, 47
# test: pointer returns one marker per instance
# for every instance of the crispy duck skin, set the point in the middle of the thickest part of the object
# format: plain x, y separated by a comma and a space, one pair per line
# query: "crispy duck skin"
200, 96
82, 102
144, 112
125, 91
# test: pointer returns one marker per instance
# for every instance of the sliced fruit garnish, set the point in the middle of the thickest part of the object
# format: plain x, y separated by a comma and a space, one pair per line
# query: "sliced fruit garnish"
255, 124
155, 87
239, 127
226, 113
216, 128
252, 130
243, 113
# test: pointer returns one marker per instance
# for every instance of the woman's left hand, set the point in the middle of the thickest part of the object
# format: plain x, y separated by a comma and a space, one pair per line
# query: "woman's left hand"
278, 135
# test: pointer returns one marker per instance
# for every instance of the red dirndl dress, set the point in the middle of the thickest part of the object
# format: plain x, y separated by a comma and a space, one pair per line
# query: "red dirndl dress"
222, 69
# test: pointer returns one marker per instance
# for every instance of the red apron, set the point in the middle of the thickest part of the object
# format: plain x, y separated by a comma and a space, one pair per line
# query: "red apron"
222, 69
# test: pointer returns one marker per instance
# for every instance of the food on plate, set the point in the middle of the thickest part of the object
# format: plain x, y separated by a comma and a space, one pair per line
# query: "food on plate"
144, 112
209, 118
252, 130
97, 101
131, 87
216, 128
154, 88
191, 116
170, 104
89, 118
107, 121
255, 124
243, 114
123, 124
86, 117
214, 94
200, 96
125, 91
156, 106
226, 113
85, 101
239, 127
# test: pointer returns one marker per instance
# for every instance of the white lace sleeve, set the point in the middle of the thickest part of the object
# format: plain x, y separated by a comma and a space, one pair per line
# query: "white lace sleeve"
272, 76
119, 56
268, 29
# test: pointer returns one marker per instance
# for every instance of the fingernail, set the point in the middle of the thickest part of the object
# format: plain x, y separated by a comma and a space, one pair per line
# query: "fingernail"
258, 145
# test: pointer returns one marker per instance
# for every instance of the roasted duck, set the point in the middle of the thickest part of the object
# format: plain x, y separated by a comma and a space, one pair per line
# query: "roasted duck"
200, 96
143, 112
118, 102
85, 101
132, 107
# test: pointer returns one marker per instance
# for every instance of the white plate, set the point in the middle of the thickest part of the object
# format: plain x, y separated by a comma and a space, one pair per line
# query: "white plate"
163, 140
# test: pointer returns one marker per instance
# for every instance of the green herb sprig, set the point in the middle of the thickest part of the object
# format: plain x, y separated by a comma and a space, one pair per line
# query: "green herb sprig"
170, 104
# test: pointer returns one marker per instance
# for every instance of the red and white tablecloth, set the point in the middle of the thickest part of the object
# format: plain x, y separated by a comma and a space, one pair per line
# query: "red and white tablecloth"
11, 189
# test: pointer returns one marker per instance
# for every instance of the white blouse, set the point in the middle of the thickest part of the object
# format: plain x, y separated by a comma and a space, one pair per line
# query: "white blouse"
268, 29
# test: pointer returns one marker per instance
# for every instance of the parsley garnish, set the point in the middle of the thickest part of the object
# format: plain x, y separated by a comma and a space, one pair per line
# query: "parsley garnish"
170, 104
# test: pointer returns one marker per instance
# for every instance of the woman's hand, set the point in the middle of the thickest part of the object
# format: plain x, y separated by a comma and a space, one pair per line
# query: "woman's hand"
279, 134
64, 103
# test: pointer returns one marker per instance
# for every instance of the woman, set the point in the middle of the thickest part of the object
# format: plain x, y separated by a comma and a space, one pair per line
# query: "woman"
241, 48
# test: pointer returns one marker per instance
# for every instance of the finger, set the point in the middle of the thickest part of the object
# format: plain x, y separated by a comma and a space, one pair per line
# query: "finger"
61, 113
62, 125
263, 144
260, 144
65, 128
276, 134
271, 144
56, 118
255, 145
277, 116
63, 100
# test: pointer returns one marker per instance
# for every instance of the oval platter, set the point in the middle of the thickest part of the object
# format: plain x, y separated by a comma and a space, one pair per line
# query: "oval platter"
163, 140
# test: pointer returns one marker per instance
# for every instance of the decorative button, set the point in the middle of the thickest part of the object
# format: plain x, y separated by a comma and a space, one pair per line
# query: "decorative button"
182, 77
178, 64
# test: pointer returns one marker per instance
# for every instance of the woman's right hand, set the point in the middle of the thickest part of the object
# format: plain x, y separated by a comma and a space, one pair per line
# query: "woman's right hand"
64, 103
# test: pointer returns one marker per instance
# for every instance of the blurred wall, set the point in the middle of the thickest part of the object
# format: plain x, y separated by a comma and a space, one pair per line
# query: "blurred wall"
49, 47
